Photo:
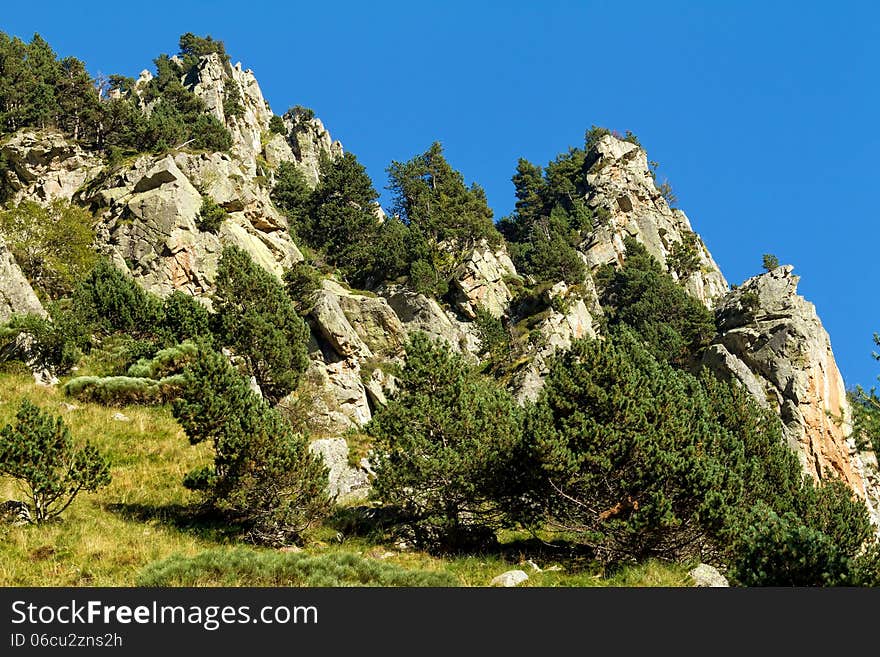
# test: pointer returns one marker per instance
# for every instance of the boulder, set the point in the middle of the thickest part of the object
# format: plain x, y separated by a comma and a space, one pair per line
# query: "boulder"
705, 575
509, 579
418, 312
344, 481
17, 297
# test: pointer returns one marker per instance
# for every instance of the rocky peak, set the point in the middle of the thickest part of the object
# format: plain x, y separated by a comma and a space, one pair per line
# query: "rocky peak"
623, 192
308, 138
772, 341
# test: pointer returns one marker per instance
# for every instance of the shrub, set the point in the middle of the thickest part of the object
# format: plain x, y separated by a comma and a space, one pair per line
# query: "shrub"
769, 262
167, 361
210, 216
248, 567
110, 300
675, 326
124, 390
263, 473
302, 282
52, 244
445, 448
55, 344
291, 194
626, 447
257, 318
684, 257
39, 453
184, 318
276, 125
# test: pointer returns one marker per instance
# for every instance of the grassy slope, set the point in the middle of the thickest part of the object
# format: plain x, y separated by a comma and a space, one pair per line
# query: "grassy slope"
145, 515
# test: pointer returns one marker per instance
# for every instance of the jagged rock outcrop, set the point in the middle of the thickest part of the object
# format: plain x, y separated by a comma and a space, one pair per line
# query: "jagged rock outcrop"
147, 220
622, 189
45, 166
17, 297
771, 340
420, 313
557, 329
308, 139
480, 281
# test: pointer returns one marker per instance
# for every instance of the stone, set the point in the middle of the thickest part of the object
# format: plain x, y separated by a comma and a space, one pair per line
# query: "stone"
558, 330
308, 139
46, 166
418, 312
119, 417
343, 480
621, 184
771, 341
509, 579
705, 575
480, 281
15, 513
17, 297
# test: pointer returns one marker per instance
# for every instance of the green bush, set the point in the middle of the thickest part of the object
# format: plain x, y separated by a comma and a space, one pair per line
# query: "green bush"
675, 326
52, 244
56, 344
210, 216
263, 474
184, 318
446, 449
259, 321
302, 282
167, 361
276, 125
38, 452
247, 567
124, 390
110, 300
626, 447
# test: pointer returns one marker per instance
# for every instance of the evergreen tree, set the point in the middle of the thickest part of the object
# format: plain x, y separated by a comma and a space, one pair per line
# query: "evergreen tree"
258, 320
38, 451
446, 449
627, 454
262, 474
675, 326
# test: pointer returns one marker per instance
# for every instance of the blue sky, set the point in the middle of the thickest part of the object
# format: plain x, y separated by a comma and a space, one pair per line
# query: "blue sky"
762, 115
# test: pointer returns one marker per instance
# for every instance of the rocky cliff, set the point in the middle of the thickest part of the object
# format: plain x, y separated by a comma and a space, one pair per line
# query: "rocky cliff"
146, 211
771, 340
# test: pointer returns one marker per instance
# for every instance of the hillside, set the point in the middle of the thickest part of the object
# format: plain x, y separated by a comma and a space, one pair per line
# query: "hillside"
581, 369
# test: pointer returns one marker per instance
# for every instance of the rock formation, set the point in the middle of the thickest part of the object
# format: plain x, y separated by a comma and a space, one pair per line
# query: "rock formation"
771, 340
627, 202
16, 294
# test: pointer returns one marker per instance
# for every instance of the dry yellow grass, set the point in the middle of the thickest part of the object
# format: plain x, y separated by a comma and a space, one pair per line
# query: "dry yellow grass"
104, 538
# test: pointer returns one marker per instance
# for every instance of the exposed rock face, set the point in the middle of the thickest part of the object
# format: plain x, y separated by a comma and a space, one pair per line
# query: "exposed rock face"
17, 297
558, 329
345, 481
420, 313
621, 183
148, 214
213, 81
771, 340
46, 166
308, 139
480, 282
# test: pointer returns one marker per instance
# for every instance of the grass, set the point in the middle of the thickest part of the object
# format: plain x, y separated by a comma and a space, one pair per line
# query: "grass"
144, 528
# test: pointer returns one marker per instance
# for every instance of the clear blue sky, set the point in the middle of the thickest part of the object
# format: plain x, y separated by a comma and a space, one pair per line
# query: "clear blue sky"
761, 114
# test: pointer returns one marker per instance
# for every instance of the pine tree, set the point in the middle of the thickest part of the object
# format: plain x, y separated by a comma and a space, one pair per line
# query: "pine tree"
447, 449
258, 320
38, 451
263, 474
